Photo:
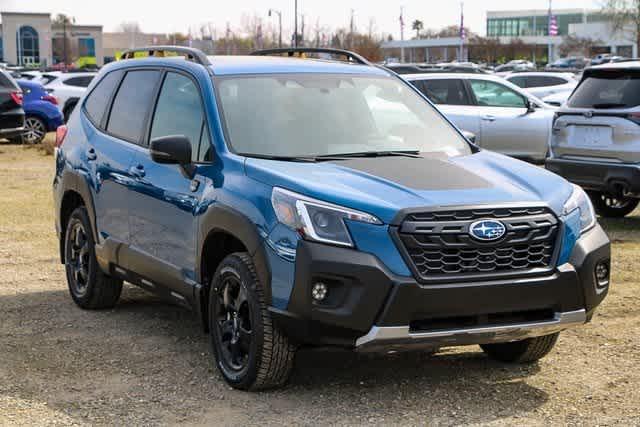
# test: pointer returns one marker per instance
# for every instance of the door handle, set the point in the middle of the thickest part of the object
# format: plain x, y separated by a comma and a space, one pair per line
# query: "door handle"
137, 171
489, 118
91, 154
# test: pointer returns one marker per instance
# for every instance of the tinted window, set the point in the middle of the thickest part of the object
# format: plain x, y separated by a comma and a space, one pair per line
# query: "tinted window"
445, 91
179, 111
543, 81
47, 78
96, 103
132, 104
492, 94
7, 82
81, 81
607, 90
520, 81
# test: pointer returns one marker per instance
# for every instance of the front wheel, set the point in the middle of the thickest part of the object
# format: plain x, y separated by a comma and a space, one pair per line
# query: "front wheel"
610, 206
524, 351
251, 352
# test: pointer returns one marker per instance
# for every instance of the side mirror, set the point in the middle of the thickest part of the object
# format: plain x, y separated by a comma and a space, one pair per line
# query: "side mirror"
173, 149
470, 136
531, 107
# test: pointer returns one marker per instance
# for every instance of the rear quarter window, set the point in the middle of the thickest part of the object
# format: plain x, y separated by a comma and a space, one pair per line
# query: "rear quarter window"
7, 82
607, 90
80, 81
97, 101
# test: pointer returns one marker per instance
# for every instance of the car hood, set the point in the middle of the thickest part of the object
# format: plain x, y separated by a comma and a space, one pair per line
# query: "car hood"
383, 186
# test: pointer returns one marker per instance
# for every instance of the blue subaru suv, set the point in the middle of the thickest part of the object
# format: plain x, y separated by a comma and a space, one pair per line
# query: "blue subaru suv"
305, 197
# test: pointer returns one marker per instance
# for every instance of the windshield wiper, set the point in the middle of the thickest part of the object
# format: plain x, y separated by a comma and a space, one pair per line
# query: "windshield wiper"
408, 153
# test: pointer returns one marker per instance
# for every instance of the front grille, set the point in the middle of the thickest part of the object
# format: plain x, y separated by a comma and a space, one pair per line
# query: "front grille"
439, 246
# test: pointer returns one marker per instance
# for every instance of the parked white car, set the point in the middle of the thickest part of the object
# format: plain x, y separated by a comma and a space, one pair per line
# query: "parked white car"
543, 84
68, 88
557, 99
503, 117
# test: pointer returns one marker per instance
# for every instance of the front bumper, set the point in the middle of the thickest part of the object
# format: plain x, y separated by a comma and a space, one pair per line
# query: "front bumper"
371, 309
598, 176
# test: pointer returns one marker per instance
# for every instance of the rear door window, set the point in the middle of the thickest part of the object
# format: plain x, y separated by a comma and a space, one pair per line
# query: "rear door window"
7, 82
520, 81
444, 91
132, 104
607, 90
97, 101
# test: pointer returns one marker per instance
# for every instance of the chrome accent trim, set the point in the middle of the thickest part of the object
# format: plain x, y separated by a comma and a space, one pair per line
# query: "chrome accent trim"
398, 336
11, 130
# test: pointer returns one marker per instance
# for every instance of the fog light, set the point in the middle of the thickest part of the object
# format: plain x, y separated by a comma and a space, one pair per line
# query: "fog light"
602, 274
319, 291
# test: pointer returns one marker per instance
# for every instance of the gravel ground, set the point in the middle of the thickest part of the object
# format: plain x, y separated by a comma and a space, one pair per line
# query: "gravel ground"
147, 362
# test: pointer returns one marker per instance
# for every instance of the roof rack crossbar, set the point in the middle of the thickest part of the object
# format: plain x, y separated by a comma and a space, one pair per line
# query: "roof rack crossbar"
290, 51
192, 54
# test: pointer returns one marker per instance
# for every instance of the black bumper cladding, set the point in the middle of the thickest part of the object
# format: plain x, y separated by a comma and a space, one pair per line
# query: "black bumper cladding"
605, 177
371, 309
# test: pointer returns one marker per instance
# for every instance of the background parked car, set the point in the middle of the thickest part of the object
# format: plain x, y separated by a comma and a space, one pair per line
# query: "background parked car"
11, 111
41, 112
571, 63
596, 137
543, 84
502, 116
557, 99
67, 87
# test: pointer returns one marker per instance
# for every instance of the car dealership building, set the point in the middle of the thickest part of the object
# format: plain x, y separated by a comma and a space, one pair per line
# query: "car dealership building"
528, 28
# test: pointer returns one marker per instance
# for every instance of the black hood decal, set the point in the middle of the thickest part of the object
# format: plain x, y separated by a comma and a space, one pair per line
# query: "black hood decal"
424, 173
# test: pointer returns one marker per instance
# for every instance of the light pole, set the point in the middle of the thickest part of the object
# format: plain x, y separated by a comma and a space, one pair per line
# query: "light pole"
279, 24
295, 31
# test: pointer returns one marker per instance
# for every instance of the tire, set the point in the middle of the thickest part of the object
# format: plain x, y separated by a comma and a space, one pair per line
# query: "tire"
250, 351
89, 287
610, 206
34, 130
525, 351
15, 140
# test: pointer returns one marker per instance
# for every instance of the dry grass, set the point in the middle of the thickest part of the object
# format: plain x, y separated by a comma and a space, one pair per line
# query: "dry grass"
147, 362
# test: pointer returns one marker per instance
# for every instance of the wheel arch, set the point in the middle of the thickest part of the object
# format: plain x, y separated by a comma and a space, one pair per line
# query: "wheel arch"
76, 193
223, 231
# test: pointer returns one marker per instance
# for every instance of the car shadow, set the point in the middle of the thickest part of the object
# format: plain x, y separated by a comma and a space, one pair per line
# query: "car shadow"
147, 350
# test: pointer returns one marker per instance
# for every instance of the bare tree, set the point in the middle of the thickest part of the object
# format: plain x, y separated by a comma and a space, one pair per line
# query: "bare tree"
577, 46
625, 18
129, 27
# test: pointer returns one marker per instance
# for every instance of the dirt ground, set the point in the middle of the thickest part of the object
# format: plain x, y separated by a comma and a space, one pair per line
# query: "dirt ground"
147, 362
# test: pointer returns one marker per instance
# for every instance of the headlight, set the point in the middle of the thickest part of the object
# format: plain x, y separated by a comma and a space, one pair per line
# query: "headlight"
314, 219
580, 200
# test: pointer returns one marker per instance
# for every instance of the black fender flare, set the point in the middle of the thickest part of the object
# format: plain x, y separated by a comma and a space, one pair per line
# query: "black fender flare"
75, 181
231, 221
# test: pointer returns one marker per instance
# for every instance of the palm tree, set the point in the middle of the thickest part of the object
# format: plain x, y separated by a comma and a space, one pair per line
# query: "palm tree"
417, 25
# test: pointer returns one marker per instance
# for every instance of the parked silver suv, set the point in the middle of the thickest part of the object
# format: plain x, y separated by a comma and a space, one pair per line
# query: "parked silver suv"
595, 139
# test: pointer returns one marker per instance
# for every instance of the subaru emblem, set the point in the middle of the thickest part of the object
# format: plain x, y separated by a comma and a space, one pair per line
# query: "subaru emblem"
487, 230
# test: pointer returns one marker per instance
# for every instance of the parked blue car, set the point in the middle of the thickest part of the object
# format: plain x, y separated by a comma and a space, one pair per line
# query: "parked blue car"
296, 201
41, 112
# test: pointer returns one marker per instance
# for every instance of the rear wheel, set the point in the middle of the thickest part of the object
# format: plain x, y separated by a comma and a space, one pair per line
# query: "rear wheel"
34, 130
251, 352
611, 206
525, 351
90, 288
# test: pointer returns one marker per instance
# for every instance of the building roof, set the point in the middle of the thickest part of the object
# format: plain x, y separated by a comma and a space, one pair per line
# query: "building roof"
536, 12
25, 13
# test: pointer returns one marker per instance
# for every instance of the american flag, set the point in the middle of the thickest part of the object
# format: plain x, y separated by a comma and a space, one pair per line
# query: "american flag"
401, 19
553, 25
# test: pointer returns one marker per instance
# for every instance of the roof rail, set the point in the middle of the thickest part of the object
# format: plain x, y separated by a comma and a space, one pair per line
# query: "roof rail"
290, 51
195, 55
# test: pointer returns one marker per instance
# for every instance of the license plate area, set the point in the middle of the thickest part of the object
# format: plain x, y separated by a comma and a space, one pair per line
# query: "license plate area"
590, 136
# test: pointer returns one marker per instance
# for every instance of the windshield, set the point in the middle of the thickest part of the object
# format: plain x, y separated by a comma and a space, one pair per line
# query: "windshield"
607, 90
294, 115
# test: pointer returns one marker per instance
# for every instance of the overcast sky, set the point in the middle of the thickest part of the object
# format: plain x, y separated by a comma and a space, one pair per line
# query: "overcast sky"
153, 17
